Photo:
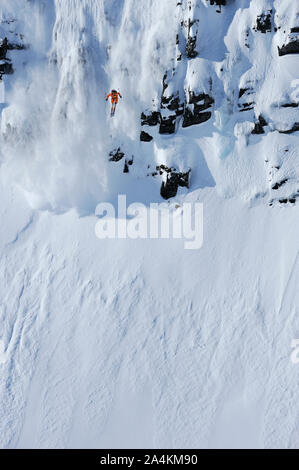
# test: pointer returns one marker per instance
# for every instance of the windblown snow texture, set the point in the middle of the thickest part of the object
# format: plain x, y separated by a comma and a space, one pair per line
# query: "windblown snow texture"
141, 343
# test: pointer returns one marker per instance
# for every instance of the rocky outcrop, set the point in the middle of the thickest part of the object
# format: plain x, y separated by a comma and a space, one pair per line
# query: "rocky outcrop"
174, 179
191, 41
218, 3
279, 184
291, 200
191, 52
294, 128
6, 66
127, 164
151, 119
246, 101
167, 125
247, 106
192, 118
290, 105
171, 103
3, 49
206, 99
259, 126
194, 112
5, 63
196, 104
292, 46
126, 168
116, 155
186, 38
285, 201
242, 91
176, 106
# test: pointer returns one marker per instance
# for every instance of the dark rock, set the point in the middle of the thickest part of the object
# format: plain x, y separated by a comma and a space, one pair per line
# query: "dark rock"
116, 155
6, 68
279, 184
164, 169
259, 126
9, 46
3, 49
247, 106
200, 107
151, 119
283, 201
291, 48
263, 22
191, 53
262, 121
126, 168
174, 179
167, 125
218, 2
192, 118
295, 128
175, 105
165, 100
196, 116
258, 129
164, 83
145, 137
290, 105
292, 200
171, 102
242, 91
16, 47
295, 29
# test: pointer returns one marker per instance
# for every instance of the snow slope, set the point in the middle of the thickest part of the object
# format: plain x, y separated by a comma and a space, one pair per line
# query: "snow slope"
141, 343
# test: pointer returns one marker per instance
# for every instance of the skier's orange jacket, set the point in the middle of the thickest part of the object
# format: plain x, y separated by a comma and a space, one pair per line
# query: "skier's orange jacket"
114, 96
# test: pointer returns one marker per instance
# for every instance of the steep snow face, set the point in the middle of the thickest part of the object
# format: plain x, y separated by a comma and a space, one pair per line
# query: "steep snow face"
191, 348
213, 75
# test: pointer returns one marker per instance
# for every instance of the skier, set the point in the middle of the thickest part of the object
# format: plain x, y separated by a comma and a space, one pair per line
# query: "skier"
114, 100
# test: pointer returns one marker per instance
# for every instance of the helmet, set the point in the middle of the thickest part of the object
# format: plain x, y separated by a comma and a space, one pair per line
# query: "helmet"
113, 91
